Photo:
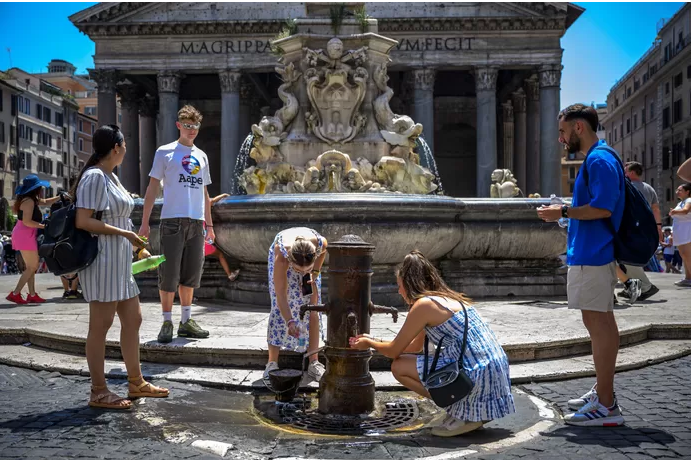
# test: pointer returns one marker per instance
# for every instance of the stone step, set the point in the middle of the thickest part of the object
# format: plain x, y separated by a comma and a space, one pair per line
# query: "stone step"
251, 353
632, 357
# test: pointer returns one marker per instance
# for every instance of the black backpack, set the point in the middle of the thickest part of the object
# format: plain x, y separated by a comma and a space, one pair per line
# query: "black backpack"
65, 248
637, 239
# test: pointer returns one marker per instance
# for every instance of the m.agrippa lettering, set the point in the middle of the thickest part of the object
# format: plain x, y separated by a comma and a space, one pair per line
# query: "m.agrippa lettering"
225, 47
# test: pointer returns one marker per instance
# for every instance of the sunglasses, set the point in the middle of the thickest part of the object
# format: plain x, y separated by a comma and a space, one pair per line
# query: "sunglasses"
191, 126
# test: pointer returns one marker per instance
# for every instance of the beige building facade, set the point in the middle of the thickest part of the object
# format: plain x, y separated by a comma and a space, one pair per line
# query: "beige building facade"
9, 121
451, 58
649, 118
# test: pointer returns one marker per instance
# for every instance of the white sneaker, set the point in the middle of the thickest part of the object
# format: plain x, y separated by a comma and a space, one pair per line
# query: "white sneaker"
634, 290
595, 414
455, 427
270, 366
316, 370
575, 404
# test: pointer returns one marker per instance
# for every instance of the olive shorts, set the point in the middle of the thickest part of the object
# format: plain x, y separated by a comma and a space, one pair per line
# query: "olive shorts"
182, 242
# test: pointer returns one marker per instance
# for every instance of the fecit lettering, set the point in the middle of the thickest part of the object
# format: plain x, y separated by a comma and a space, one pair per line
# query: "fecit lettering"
435, 44
190, 180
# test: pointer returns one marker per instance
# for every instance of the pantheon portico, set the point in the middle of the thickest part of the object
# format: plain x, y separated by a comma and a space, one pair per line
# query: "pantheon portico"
482, 78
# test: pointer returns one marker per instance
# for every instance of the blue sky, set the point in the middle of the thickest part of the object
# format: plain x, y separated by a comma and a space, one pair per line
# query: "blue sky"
598, 48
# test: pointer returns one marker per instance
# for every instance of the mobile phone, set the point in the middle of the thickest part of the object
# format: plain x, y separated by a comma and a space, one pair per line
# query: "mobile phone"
306, 285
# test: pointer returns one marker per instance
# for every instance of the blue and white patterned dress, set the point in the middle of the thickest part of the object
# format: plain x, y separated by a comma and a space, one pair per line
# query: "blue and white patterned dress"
484, 361
277, 333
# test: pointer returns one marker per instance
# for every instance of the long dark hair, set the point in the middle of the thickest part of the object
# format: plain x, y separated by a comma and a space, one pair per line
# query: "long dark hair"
32, 195
421, 279
104, 141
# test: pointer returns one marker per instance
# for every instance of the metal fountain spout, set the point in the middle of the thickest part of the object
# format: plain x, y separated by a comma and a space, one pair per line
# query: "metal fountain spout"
321, 308
384, 309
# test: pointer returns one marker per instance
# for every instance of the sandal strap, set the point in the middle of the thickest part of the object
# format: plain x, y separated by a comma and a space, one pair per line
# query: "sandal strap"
134, 379
98, 387
103, 396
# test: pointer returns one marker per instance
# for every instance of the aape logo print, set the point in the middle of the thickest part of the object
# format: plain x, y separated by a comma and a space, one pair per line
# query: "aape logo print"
191, 165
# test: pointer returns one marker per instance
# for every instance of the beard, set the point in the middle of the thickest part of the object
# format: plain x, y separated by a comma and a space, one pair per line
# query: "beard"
573, 145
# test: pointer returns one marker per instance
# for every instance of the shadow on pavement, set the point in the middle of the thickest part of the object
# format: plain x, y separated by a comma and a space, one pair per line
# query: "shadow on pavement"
603, 436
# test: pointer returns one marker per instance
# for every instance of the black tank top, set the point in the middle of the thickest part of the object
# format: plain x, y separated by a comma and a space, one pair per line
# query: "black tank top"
36, 216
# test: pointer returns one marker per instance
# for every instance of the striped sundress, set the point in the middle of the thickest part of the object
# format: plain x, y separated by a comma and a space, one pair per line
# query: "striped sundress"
109, 278
277, 332
484, 361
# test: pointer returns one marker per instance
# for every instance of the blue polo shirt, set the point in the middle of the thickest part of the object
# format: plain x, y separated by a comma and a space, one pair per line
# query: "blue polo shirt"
590, 242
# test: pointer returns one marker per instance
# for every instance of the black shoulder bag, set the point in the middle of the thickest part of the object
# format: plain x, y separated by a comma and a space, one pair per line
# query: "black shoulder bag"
449, 384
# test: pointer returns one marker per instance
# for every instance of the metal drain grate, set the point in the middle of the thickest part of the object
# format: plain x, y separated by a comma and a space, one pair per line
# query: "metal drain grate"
397, 414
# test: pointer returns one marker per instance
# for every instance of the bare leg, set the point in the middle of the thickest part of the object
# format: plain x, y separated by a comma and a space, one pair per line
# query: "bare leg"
101, 316
31, 262
32, 284
685, 252
130, 314
75, 284
623, 277
404, 369
273, 353
604, 336
186, 295
167, 299
221, 258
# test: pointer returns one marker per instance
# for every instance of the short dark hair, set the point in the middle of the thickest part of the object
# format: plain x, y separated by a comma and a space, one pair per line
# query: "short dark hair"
580, 112
635, 167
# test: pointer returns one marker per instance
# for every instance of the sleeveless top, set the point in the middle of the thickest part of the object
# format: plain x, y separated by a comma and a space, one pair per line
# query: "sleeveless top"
36, 216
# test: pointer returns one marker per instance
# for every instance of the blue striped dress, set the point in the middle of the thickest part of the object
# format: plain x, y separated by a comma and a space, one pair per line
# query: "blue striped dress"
484, 361
109, 278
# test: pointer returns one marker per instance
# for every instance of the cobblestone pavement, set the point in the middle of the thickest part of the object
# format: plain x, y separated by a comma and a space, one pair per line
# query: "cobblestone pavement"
655, 401
44, 415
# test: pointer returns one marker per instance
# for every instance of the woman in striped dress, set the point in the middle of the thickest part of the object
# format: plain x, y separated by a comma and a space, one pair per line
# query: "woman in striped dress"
108, 283
436, 312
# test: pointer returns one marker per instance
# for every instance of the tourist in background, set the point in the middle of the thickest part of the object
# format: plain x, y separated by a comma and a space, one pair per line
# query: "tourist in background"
668, 251
682, 230
25, 232
210, 250
590, 256
294, 254
436, 312
184, 170
637, 286
108, 284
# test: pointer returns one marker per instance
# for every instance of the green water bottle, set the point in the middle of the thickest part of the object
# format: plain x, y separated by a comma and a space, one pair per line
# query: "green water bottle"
147, 264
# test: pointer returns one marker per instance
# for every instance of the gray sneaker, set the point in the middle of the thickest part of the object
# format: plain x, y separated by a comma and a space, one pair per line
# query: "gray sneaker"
166, 333
191, 329
683, 283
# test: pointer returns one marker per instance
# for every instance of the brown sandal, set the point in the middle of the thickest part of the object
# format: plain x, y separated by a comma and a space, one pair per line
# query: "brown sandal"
152, 391
108, 400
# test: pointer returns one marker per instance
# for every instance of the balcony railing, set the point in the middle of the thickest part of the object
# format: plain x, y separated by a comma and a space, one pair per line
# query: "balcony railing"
676, 50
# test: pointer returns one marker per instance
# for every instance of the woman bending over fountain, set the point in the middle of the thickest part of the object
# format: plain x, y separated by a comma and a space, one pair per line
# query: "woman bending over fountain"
436, 312
296, 253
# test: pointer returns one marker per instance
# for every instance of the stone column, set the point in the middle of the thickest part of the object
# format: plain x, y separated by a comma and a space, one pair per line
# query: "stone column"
168, 105
129, 170
507, 135
147, 137
245, 114
230, 128
519, 137
486, 94
532, 148
421, 83
106, 79
550, 151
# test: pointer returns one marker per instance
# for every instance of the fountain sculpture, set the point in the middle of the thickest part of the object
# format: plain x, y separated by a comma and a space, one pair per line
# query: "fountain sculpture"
336, 158
347, 387
336, 131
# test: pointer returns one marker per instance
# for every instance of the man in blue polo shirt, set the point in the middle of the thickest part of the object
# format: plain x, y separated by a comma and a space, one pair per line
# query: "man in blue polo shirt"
590, 257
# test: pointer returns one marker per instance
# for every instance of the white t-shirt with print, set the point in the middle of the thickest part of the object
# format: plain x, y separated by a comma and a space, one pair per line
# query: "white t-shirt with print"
184, 172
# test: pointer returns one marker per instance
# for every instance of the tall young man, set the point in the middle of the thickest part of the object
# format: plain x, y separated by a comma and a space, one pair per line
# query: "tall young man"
590, 257
184, 170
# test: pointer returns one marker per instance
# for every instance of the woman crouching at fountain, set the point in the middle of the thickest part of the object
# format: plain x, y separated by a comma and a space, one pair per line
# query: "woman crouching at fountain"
295, 260
436, 312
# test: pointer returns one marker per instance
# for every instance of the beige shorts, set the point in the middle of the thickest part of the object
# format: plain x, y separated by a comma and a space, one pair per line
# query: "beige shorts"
591, 287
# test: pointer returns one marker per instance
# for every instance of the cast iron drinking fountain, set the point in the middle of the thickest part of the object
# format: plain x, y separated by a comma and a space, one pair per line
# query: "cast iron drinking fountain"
347, 403
347, 387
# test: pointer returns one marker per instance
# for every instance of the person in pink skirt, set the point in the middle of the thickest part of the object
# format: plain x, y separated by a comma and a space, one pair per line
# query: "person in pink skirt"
29, 220
213, 251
